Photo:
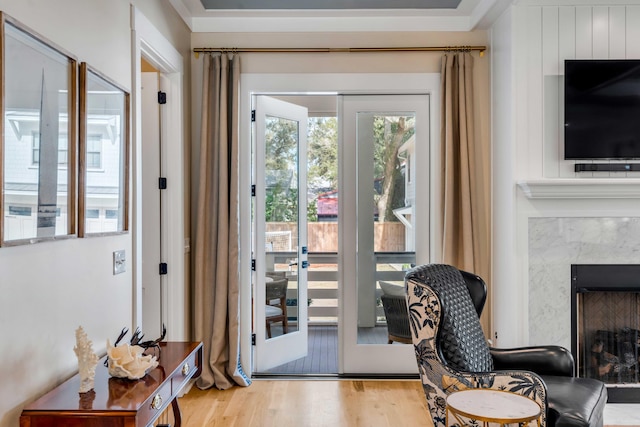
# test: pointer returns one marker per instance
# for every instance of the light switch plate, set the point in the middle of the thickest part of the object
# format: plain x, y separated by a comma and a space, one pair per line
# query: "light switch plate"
119, 262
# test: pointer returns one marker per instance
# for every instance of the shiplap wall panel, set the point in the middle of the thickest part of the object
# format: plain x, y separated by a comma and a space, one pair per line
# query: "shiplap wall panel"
584, 32
553, 35
519, 92
617, 50
617, 33
600, 36
600, 32
632, 14
566, 50
550, 72
566, 34
534, 92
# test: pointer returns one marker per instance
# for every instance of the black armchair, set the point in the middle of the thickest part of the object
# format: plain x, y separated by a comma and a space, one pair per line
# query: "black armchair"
452, 353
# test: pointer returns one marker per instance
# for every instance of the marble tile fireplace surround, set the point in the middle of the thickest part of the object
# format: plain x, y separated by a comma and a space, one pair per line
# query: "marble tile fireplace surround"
592, 218
554, 245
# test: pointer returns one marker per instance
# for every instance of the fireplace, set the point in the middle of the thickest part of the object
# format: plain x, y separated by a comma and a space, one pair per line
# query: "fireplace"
605, 330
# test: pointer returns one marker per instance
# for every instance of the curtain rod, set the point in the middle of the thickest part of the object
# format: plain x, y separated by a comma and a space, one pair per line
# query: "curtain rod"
199, 50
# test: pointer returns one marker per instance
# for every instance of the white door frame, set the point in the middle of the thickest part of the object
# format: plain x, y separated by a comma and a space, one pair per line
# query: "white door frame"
149, 43
380, 83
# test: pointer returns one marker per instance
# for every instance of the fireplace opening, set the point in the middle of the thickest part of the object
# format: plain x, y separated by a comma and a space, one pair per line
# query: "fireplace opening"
606, 327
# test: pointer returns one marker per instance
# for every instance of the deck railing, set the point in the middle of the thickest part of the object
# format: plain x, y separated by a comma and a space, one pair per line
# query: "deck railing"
322, 280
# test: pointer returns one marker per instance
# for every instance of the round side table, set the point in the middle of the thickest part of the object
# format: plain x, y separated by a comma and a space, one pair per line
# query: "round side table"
492, 406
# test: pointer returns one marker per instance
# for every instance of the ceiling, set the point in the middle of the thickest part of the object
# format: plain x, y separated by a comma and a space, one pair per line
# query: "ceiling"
338, 15
328, 4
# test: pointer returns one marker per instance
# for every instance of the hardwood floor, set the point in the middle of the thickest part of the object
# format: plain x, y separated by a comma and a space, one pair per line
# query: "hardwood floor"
306, 403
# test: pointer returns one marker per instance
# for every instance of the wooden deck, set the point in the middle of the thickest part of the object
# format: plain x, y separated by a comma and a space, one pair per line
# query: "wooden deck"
322, 355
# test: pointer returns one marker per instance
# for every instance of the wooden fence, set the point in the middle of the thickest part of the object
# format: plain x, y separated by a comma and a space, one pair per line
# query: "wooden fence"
323, 236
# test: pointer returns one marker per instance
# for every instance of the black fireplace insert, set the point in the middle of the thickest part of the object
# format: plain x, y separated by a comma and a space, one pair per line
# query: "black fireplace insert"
605, 326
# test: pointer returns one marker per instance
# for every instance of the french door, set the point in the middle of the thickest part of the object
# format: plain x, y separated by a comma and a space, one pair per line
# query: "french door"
279, 232
384, 192
382, 140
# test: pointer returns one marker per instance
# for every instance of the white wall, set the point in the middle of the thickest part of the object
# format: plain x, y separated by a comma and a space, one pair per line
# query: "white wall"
49, 289
530, 42
503, 172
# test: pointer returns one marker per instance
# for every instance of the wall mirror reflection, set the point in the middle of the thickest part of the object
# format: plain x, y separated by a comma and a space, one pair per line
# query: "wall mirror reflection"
37, 168
104, 155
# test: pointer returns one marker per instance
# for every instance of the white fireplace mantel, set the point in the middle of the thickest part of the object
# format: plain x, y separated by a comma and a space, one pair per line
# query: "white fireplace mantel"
585, 188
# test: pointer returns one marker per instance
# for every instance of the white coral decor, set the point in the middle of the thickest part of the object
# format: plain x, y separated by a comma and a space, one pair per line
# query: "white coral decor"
127, 361
87, 360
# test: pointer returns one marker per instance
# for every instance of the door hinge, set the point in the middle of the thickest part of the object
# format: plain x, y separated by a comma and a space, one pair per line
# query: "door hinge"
253, 339
162, 183
253, 115
253, 190
253, 265
162, 97
163, 268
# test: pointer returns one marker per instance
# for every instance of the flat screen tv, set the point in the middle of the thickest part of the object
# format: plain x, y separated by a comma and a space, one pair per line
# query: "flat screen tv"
602, 109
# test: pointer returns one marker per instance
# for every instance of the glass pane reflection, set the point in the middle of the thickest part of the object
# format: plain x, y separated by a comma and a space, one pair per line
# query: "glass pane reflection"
385, 224
281, 225
37, 123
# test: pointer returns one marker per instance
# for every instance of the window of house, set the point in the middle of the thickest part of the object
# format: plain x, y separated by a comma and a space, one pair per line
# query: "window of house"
63, 149
20, 210
94, 151
93, 213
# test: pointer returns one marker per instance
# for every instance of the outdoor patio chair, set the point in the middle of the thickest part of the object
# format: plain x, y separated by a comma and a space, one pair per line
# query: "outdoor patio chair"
394, 303
276, 303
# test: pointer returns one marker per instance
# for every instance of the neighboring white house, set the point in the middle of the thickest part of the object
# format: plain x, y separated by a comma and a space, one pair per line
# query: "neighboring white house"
406, 214
22, 145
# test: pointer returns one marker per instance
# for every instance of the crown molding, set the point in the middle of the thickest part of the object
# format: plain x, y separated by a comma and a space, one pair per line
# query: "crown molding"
329, 24
469, 15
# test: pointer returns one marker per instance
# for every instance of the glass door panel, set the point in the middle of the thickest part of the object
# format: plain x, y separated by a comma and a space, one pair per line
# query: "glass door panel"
384, 137
280, 239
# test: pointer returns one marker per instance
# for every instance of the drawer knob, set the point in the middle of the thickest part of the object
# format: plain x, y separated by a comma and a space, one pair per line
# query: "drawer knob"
185, 369
156, 403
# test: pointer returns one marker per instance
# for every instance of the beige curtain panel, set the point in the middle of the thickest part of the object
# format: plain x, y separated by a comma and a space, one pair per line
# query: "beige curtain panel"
216, 284
466, 189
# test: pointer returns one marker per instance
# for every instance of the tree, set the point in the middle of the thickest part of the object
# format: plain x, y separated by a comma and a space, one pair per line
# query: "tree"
390, 132
323, 154
281, 158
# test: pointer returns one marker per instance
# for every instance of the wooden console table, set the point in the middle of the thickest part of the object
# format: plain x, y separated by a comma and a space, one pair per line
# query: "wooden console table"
120, 402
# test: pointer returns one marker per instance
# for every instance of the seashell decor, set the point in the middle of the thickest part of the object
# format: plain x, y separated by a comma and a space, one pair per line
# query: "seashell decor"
87, 360
127, 361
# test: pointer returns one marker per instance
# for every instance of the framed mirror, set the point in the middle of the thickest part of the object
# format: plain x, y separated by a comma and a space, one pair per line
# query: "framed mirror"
103, 198
38, 128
